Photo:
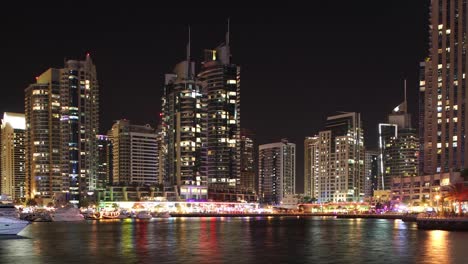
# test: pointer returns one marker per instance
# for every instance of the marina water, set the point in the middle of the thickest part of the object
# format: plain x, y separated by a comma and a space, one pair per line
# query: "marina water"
234, 240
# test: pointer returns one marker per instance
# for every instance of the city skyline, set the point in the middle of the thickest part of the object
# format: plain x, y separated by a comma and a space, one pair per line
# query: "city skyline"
273, 54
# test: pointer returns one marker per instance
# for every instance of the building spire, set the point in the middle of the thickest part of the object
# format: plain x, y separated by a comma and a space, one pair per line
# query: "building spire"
228, 31
188, 45
405, 90
188, 56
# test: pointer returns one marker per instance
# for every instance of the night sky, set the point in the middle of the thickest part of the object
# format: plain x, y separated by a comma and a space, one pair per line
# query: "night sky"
299, 64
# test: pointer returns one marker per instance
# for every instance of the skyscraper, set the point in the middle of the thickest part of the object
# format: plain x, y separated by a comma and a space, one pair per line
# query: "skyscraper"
277, 171
311, 166
104, 169
336, 160
43, 138
221, 84
372, 172
62, 122
387, 134
398, 146
184, 131
134, 153
247, 163
79, 126
13, 174
445, 84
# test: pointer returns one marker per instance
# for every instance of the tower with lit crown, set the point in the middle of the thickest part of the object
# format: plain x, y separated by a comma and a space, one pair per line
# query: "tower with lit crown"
221, 84
184, 131
12, 145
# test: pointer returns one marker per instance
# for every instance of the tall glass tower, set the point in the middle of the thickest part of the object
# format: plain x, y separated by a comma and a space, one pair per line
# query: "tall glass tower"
62, 119
184, 131
444, 94
79, 124
221, 84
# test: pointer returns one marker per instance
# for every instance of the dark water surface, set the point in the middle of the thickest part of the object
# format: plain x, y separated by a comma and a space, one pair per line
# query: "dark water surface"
234, 240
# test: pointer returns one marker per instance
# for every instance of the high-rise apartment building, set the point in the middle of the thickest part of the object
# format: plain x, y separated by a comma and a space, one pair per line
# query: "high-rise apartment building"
221, 85
79, 126
43, 140
444, 88
398, 147
277, 171
247, 161
13, 171
311, 166
335, 160
371, 166
62, 122
184, 131
387, 134
104, 169
134, 153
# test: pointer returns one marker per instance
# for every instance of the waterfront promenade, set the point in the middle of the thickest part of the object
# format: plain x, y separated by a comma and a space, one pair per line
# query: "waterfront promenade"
338, 215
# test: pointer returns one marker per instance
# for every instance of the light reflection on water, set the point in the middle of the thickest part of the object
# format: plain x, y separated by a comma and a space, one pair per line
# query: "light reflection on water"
235, 240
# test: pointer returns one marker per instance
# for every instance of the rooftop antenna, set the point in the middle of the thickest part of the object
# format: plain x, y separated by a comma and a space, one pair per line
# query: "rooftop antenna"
188, 55
188, 45
228, 32
405, 90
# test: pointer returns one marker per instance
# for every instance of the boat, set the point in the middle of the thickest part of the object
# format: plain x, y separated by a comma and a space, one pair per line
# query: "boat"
8, 210
123, 215
67, 214
162, 215
110, 215
11, 225
144, 215
91, 216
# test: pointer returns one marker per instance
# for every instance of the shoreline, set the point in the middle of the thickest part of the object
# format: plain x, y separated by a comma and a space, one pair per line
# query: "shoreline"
367, 216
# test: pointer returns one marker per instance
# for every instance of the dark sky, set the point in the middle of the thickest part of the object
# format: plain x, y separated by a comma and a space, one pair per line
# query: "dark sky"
299, 63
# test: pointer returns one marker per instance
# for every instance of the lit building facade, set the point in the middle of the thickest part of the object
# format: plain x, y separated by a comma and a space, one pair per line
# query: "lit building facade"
248, 158
104, 170
43, 137
311, 166
277, 171
79, 126
338, 153
387, 134
444, 97
371, 166
13, 156
134, 154
221, 85
420, 190
398, 147
184, 119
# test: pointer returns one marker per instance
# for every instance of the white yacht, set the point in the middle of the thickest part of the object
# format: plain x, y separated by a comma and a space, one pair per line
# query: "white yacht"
8, 210
11, 225
67, 214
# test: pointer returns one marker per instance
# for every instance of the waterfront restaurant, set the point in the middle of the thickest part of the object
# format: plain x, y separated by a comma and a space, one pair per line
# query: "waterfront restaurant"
182, 207
343, 207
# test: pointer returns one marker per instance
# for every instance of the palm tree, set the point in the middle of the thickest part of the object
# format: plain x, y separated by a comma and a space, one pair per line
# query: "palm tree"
456, 193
